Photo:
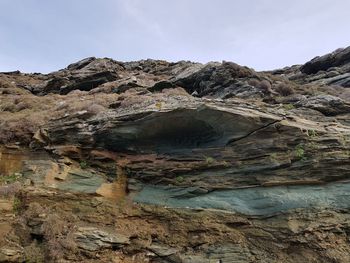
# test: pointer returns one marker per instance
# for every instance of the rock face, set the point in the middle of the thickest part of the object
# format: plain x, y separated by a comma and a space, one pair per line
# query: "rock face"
337, 58
230, 143
151, 161
331, 69
83, 75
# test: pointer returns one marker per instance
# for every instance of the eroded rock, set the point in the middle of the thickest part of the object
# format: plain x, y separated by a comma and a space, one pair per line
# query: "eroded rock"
93, 239
337, 58
177, 162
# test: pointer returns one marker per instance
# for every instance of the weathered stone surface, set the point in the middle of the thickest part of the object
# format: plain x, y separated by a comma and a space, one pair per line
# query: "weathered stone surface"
93, 239
163, 251
211, 144
256, 201
11, 255
176, 162
337, 58
84, 75
214, 79
221, 80
332, 69
326, 104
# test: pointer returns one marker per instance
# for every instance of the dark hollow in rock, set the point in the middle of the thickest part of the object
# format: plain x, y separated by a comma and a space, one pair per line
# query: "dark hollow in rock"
176, 130
159, 86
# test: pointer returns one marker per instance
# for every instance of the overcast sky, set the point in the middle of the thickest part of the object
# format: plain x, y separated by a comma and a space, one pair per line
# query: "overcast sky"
45, 35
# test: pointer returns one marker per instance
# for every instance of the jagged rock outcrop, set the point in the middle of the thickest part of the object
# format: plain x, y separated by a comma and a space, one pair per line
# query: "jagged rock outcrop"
152, 161
338, 58
331, 69
216, 80
83, 75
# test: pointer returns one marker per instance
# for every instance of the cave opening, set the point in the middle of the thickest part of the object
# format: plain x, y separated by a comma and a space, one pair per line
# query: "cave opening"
164, 133
168, 132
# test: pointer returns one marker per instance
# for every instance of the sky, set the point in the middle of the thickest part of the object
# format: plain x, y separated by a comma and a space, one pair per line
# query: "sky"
47, 35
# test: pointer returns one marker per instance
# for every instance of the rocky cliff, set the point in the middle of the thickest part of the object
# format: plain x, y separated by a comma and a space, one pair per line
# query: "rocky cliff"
152, 161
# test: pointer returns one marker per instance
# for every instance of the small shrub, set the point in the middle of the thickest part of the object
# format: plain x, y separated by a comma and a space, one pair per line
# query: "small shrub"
288, 107
235, 70
226, 164
59, 236
273, 156
179, 179
52, 229
33, 253
55, 248
311, 133
253, 82
83, 165
69, 241
209, 160
8, 107
9, 179
19, 129
53, 226
284, 89
34, 210
299, 152
159, 105
265, 86
10, 189
17, 204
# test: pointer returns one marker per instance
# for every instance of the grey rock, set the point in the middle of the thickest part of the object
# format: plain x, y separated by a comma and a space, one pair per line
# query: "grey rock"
81, 64
258, 201
220, 253
93, 239
340, 79
80, 181
84, 75
220, 80
162, 250
326, 104
332, 69
334, 59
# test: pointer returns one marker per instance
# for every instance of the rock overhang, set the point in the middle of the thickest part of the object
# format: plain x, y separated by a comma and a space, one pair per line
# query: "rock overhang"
179, 129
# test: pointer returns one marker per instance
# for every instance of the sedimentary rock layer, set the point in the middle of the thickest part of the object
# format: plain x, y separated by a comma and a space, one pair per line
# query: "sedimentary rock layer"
152, 161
